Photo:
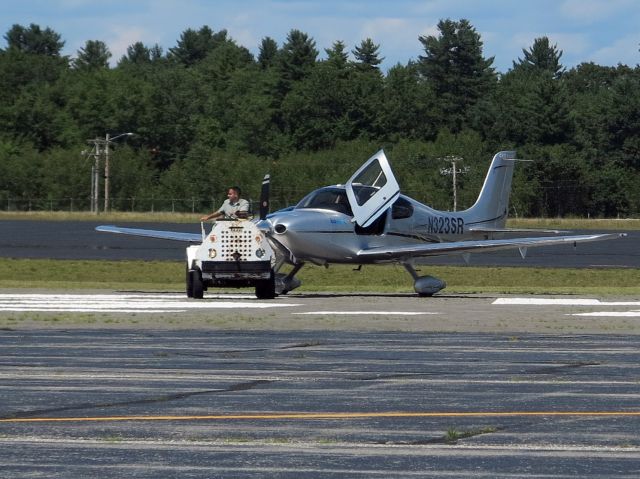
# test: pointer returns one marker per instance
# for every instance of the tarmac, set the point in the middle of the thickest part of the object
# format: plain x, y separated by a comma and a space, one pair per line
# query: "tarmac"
146, 385
337, 390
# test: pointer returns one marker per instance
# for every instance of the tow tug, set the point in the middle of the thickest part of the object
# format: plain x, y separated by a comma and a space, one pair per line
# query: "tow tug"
235, 253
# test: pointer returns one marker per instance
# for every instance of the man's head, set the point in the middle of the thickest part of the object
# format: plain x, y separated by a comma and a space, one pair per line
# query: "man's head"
234, 194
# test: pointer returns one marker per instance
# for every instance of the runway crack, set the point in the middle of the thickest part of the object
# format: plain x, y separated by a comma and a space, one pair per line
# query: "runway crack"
563, 367
309, 344
152, 400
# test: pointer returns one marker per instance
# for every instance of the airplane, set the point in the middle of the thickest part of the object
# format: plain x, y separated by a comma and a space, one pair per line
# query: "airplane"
368, 221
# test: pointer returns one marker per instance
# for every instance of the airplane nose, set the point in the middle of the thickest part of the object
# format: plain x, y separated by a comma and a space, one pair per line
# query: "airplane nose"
264, 225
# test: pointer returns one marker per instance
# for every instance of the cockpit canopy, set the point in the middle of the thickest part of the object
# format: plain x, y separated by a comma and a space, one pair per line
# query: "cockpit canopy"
334, 198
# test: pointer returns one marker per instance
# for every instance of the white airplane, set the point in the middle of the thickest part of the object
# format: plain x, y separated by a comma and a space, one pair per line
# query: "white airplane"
368, 221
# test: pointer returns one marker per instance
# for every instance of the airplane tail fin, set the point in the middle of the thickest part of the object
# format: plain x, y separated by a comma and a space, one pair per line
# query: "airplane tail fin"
492, 205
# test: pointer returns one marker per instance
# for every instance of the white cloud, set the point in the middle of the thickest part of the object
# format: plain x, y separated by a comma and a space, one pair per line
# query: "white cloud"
245, 37
624, 50
122, 38
397, 37
429, 30
590, 11
393, 31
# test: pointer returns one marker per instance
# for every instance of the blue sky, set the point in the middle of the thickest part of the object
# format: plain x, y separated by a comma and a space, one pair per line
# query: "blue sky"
604, 32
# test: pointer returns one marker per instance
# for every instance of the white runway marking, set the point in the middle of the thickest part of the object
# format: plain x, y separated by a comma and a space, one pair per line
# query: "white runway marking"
124, 303
367, 313
610, 314
633, 313
561, 302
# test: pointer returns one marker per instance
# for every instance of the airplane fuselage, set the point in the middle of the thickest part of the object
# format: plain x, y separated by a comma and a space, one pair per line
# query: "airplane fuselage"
325, 233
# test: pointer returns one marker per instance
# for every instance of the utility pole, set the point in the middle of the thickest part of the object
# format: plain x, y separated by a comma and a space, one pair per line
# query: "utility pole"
106, 173
453, 171
96, 180
96, 152
95, 172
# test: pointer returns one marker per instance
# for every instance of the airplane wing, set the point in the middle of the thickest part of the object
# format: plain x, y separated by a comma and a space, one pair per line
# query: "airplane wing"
514, 230
461, 247
168, 235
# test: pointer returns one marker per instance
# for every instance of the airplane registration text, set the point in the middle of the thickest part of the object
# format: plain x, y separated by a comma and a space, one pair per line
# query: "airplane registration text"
445, 225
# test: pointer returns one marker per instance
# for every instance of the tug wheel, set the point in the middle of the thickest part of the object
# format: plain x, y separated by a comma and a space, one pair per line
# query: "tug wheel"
197, 286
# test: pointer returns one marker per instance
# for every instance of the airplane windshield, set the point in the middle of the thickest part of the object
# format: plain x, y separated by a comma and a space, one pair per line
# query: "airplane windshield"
372, 176
334, 199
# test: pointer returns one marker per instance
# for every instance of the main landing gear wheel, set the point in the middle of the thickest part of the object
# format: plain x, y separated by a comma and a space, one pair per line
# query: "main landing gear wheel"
266, 288
195, 286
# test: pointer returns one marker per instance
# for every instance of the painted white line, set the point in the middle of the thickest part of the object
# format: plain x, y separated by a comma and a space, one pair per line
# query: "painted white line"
368, 313
610, 314
119, 296
623, 452
144, 306
560, 302
123, 303
88, 310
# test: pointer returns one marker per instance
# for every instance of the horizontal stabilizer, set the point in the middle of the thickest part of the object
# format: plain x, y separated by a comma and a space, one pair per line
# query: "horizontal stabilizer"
167, 235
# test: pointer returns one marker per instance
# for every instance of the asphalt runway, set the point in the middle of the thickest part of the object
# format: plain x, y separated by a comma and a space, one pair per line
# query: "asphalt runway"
79, 240
133, 384
114, 403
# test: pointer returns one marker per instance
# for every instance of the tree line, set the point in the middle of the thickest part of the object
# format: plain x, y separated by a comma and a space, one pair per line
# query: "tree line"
207, 114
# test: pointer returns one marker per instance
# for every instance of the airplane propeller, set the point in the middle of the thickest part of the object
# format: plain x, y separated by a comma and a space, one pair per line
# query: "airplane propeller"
264, 197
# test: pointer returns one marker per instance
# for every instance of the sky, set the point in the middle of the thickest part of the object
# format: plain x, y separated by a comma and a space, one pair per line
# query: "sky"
606, 32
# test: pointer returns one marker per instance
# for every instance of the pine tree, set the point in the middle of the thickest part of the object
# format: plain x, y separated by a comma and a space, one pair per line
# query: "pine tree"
455, 69
336, 55
542, 57
268, 52
34, 40
298, 56
194, 46
94, 55
137, 54
366, 54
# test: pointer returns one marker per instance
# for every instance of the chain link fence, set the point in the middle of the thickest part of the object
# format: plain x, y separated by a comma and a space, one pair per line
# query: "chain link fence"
140, 205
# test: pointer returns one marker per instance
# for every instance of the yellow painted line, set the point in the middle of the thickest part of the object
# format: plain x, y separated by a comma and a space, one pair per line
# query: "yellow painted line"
322, 415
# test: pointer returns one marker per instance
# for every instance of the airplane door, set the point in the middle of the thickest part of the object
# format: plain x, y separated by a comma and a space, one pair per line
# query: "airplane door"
372, 189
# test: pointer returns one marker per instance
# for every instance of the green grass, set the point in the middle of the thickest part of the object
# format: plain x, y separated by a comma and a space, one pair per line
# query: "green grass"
453, 435
85, 274
169, 275
472, 279
627, 224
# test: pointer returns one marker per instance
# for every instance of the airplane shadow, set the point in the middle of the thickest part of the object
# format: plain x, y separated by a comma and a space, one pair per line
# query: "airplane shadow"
321, 295
382, 295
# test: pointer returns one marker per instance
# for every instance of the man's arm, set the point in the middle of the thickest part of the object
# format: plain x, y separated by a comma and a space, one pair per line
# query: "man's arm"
216, 214
212, 216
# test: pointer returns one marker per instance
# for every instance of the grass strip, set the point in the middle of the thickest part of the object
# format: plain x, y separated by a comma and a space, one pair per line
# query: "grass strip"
169, 275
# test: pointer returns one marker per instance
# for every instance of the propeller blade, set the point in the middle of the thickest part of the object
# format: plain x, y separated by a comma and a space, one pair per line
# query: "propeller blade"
264, 197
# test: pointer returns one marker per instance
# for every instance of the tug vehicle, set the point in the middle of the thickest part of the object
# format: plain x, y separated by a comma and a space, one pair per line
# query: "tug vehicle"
235, 253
